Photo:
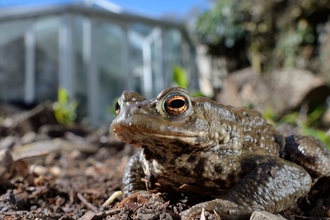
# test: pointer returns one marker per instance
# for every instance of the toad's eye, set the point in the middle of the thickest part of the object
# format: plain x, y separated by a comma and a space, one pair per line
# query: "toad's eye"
117, 107
176, 104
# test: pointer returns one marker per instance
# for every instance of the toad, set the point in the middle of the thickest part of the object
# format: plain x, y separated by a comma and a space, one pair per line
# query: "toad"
196, 145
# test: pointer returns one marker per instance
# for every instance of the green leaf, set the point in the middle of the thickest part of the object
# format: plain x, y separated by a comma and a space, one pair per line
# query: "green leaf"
291, 118
198, 94
269, 114
63, 96
180, 77
315, 115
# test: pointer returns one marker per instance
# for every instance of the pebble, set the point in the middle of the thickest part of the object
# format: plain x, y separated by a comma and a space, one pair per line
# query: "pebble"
263, 215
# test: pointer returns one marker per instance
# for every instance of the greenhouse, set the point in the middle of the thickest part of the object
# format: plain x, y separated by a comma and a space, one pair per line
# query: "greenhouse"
94, 51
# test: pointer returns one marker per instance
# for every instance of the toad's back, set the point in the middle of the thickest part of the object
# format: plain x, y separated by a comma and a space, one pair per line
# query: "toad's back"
258, 135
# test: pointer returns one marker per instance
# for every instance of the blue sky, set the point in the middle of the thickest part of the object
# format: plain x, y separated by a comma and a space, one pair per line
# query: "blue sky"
151, 7
159, 7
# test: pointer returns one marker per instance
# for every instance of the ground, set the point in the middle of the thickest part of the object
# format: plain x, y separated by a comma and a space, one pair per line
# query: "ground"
69, 181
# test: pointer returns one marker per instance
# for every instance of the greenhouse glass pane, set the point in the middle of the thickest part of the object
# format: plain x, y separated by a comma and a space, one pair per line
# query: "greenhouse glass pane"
173, 50
46, 32
109, 49
135, 41
80, 66
12, 60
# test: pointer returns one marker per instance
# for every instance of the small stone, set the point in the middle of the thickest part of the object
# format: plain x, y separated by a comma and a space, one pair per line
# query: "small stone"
28, 137
39, 170
7, 142
263, 215
55, 170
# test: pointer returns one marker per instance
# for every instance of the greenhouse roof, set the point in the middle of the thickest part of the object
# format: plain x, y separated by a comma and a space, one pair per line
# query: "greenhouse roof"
97, 8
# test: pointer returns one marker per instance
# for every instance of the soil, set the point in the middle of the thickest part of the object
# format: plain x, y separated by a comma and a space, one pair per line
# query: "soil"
74, 183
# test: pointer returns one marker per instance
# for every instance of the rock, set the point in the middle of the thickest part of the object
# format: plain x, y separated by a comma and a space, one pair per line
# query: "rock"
263, 215
282, 90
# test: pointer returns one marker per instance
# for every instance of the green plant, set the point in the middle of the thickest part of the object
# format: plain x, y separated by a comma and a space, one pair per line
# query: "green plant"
222, 24
180, 77
291, 42
306, 125
64, 110
265, 34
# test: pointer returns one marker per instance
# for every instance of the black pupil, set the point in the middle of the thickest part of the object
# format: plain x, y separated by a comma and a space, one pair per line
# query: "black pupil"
117, 106
178, 103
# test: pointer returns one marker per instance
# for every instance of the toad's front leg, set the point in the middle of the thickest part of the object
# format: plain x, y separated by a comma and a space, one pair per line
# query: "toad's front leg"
272, 186
134, 176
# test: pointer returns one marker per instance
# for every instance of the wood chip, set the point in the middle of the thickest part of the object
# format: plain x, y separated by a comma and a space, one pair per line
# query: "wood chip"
88, 216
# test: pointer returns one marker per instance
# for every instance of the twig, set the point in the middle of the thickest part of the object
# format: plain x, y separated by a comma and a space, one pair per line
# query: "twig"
89, 205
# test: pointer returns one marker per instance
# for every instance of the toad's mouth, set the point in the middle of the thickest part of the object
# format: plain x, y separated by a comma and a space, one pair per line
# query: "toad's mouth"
151, 138
184, 138
199, 140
